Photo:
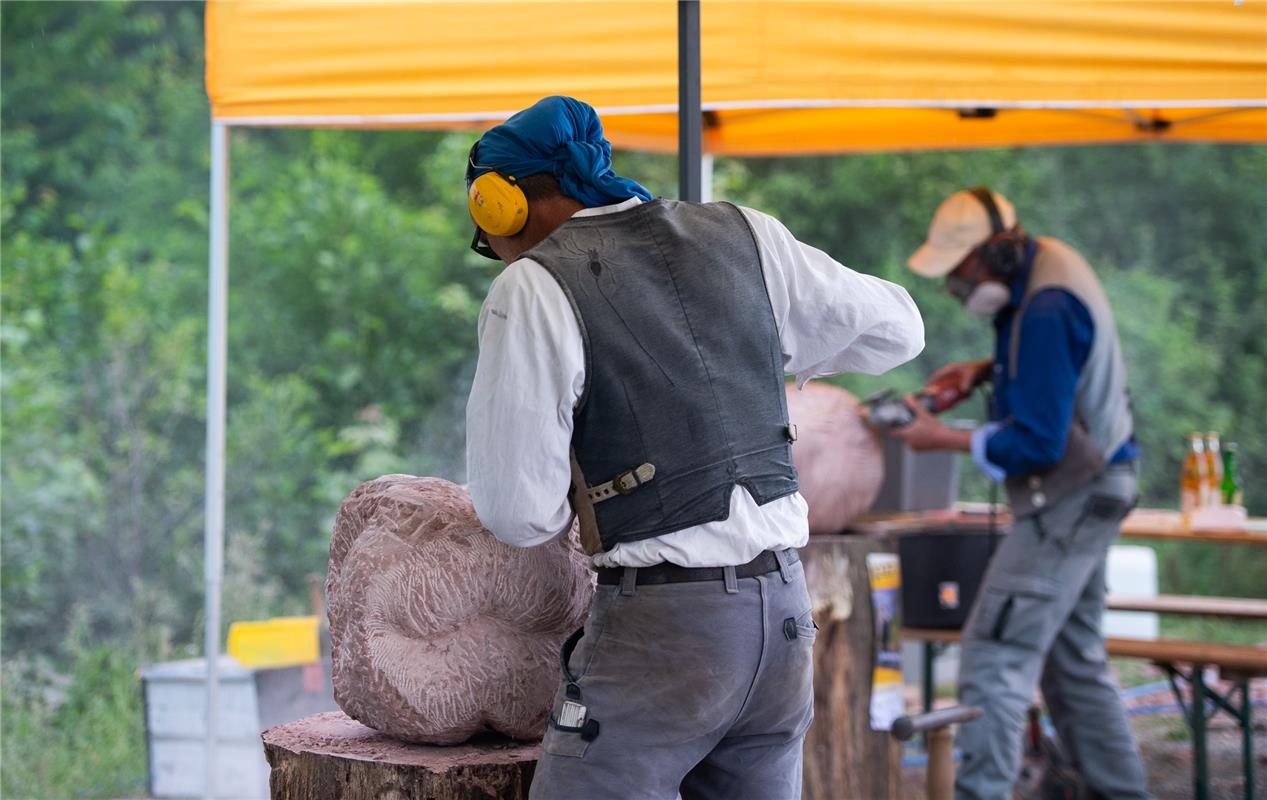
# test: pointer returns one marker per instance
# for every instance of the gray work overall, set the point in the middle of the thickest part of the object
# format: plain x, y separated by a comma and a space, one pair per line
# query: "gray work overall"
1037, 616
1037, 621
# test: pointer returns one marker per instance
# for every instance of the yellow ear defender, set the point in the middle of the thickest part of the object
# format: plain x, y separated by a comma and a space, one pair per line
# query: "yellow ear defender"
497, 204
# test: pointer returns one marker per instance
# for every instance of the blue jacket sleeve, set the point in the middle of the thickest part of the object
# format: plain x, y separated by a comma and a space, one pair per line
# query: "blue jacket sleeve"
1056, 336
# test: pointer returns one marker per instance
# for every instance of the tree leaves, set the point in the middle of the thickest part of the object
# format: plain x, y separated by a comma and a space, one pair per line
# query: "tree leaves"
353, 300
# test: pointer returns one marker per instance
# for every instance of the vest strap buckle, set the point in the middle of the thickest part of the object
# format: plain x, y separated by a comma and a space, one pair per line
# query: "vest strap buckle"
623, 484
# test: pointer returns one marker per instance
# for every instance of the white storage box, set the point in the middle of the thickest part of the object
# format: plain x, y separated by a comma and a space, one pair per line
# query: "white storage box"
250, 700
1132, 572
176, 724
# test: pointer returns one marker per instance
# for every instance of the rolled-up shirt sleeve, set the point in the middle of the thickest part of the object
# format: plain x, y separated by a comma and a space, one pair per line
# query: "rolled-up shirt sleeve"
830, 318
528, 378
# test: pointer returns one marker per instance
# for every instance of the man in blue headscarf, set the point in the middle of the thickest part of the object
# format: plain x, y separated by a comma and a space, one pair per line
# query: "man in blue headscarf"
631, 376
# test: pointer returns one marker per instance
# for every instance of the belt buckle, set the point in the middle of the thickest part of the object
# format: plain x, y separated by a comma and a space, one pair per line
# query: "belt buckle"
626, 482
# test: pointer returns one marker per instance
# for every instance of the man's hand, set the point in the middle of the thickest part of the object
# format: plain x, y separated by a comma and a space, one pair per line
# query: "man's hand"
968, 373
926, 432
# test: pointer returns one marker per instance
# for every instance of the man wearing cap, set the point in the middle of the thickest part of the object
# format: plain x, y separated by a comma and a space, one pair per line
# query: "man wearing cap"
631, 373
1061, 439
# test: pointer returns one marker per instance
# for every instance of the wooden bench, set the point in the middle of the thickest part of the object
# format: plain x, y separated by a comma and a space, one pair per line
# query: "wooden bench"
1182, 660
1195, 605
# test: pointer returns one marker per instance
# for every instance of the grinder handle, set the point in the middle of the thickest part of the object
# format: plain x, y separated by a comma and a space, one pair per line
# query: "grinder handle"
952, 384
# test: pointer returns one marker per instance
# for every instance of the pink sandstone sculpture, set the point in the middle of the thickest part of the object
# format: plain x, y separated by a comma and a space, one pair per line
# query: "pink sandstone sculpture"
438, 630
839, 458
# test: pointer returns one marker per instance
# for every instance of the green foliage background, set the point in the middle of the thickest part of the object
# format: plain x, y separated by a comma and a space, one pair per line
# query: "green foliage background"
352, 335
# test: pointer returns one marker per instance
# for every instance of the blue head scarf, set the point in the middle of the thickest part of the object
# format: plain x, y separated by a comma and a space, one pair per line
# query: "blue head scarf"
563, 137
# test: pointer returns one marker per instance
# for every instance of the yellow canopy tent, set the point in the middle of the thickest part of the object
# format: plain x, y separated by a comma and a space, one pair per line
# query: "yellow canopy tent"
777, 77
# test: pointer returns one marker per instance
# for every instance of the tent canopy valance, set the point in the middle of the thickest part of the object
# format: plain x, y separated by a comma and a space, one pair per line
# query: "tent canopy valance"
777, 77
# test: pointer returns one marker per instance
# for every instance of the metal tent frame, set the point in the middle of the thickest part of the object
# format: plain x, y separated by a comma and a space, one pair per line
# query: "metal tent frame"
691, 169
694, 176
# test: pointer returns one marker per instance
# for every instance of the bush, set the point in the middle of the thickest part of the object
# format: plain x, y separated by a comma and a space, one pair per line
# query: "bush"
73, 736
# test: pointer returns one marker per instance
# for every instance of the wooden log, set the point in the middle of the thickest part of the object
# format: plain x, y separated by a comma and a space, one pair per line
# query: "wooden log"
941, 764
328, 756
843, 756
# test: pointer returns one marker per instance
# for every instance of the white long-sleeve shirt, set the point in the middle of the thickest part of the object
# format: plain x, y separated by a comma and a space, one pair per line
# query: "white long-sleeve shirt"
531, 373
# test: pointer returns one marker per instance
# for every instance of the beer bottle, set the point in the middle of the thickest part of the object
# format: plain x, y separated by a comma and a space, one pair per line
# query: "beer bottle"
1213, 469
1230, 489
1192, 478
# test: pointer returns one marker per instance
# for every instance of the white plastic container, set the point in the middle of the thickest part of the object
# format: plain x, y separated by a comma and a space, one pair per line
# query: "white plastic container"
175, 723
1132, 572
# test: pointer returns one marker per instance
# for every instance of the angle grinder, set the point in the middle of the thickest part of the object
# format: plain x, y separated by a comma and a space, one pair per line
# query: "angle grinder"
888, 409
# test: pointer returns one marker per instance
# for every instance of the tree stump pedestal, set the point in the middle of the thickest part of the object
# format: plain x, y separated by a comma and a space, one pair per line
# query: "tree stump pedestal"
329, 755
844, 758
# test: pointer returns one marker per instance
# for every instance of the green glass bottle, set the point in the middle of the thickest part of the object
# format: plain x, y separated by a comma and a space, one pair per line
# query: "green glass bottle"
1230, 488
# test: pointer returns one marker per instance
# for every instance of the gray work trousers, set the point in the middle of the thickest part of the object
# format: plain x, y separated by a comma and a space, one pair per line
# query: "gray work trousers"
703, 688
1037, 618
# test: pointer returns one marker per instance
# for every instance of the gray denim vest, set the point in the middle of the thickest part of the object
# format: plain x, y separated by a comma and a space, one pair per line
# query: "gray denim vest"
683, 366
1102, 411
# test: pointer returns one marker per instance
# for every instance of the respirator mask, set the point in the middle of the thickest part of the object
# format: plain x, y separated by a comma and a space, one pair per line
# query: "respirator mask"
984, 299
987, 299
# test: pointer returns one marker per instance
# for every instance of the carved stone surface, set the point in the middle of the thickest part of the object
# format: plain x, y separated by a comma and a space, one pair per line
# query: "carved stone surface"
440, 631
839, 458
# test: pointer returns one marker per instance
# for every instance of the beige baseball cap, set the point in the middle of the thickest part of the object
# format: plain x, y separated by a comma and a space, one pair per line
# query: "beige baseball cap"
960, 224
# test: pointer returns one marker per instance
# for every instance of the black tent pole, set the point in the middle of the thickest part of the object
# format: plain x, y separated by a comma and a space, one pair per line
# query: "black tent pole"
690, 118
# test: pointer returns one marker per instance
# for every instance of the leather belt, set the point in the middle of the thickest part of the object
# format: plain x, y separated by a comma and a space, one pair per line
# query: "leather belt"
672, 573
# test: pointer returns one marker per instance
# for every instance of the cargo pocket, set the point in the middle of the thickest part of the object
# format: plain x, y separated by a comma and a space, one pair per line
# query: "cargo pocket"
1016, 610
1108, 507
1098, 510
801, 627
570, 728
568, 741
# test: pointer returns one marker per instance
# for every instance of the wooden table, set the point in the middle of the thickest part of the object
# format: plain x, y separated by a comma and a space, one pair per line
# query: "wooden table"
1151, 523
1142, 523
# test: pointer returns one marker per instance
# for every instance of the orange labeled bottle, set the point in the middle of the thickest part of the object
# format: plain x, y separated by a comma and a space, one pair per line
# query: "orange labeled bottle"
1213, 469
1192, 478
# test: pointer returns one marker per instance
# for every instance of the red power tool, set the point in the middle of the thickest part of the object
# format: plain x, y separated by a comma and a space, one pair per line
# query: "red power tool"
888, 409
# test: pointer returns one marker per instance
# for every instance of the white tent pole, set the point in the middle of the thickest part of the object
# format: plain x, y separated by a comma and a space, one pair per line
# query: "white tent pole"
217, 352
706, 178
